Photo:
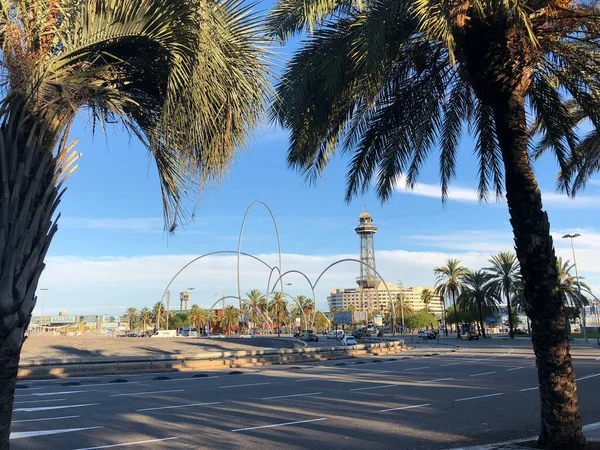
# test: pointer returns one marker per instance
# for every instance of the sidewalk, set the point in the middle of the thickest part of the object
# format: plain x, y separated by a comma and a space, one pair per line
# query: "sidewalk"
591, 432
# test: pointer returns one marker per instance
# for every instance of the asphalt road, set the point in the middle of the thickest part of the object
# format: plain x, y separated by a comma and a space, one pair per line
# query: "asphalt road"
483, 393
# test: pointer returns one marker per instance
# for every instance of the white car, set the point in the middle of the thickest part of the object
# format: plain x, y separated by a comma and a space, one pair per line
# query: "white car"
216, 336
349, 340
339, 334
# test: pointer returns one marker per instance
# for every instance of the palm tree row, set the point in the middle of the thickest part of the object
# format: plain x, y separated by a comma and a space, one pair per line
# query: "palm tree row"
482, 291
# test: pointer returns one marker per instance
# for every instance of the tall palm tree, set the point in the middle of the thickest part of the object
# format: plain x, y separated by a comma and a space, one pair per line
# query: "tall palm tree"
298, 310
476, 296
390, 80
186, 77
426, 298
504, 274
569, 286
198, 318
448, 284
158, 313
254, 299
230, 318
145, 318
279, 310
309, 311
131, 315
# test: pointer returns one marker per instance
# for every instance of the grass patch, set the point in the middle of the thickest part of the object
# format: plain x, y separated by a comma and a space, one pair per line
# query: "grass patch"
591, 335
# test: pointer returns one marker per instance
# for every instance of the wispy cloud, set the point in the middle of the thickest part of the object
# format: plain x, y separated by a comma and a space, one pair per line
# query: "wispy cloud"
105, 284
148, 224
469, 195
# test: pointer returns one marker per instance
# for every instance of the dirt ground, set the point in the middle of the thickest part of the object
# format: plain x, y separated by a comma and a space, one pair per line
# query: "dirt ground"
85, 346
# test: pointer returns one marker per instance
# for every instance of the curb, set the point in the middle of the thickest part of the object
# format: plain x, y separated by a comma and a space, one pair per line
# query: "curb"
64, 368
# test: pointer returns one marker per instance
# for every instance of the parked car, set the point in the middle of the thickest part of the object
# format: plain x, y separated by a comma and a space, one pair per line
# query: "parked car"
349, 340
310, 337
469, 336
362, 333
247, 336
216, 336
338, 334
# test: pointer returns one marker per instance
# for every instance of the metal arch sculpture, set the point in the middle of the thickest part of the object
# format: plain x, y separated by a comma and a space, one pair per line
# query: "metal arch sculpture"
312, 288
393, 310
236, 298
205, 255
240, 240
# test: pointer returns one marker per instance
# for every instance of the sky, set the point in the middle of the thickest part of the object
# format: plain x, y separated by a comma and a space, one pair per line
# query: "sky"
111, 251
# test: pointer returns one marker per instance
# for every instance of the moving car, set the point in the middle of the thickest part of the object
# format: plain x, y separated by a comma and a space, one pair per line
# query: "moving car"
349, 340
310, 337
164, 334
362, 333
469, 336
216, 336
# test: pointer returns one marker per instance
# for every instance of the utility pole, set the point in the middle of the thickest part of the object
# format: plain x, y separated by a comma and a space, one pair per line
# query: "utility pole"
168, 305
571, 236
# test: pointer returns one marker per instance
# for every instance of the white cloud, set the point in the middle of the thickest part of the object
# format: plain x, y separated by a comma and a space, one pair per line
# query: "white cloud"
107, 284
469, 195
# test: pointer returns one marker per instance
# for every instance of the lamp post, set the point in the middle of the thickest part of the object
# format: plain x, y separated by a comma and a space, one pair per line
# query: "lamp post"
572, 236
43, 298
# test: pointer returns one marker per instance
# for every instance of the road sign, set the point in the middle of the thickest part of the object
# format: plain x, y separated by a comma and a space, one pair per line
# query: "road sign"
62, 319
298, 321
342, 317
489, 320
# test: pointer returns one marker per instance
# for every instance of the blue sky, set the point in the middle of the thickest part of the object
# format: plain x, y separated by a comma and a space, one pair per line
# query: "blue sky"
111, 251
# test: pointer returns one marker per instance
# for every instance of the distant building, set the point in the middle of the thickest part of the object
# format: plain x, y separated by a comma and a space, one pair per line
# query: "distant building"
351, 298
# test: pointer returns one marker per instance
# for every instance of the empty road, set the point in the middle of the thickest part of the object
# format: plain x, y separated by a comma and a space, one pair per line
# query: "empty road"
486, 392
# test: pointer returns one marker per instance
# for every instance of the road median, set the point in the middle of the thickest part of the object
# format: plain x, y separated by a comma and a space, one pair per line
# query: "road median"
77, 367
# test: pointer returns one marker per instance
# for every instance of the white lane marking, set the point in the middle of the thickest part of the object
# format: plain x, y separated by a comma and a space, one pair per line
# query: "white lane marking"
280, 424
515, 368
129, 443
242, 385
451, 364
374, 387
113, 384
147, 393
190, 378
44, 419
419, 368
481, 374
293, 395
529, 389
307, 379
438, 379
479, 396
529, 357
597, 359
28, 434
45, 394
588, 376
405, 407
48, 408
40, 401
178, 406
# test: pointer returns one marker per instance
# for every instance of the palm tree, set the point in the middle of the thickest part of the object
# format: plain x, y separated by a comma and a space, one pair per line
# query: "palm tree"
279, 310
230, 317
145, 317
186, 77
131, 315
569, 286
299, 311
448, 284
389, 81
197, 318
426, 298
158, 313
254, 301
476, 296
309, 311
504, 277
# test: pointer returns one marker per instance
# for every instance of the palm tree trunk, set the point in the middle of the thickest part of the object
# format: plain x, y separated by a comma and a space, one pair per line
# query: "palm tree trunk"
560, 420
455, 315
510, 319
481, 319
30, 181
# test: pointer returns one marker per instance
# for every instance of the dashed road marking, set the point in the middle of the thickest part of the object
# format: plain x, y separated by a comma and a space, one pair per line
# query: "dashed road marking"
280, 424
129, 443
133, 394
479, 396
292, 395
241, 385
45, 419
481, 374
178, 406
28, 434
374, 387
405, 407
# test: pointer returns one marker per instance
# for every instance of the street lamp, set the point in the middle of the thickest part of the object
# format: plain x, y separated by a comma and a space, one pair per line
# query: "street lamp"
43, 298
572, 236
